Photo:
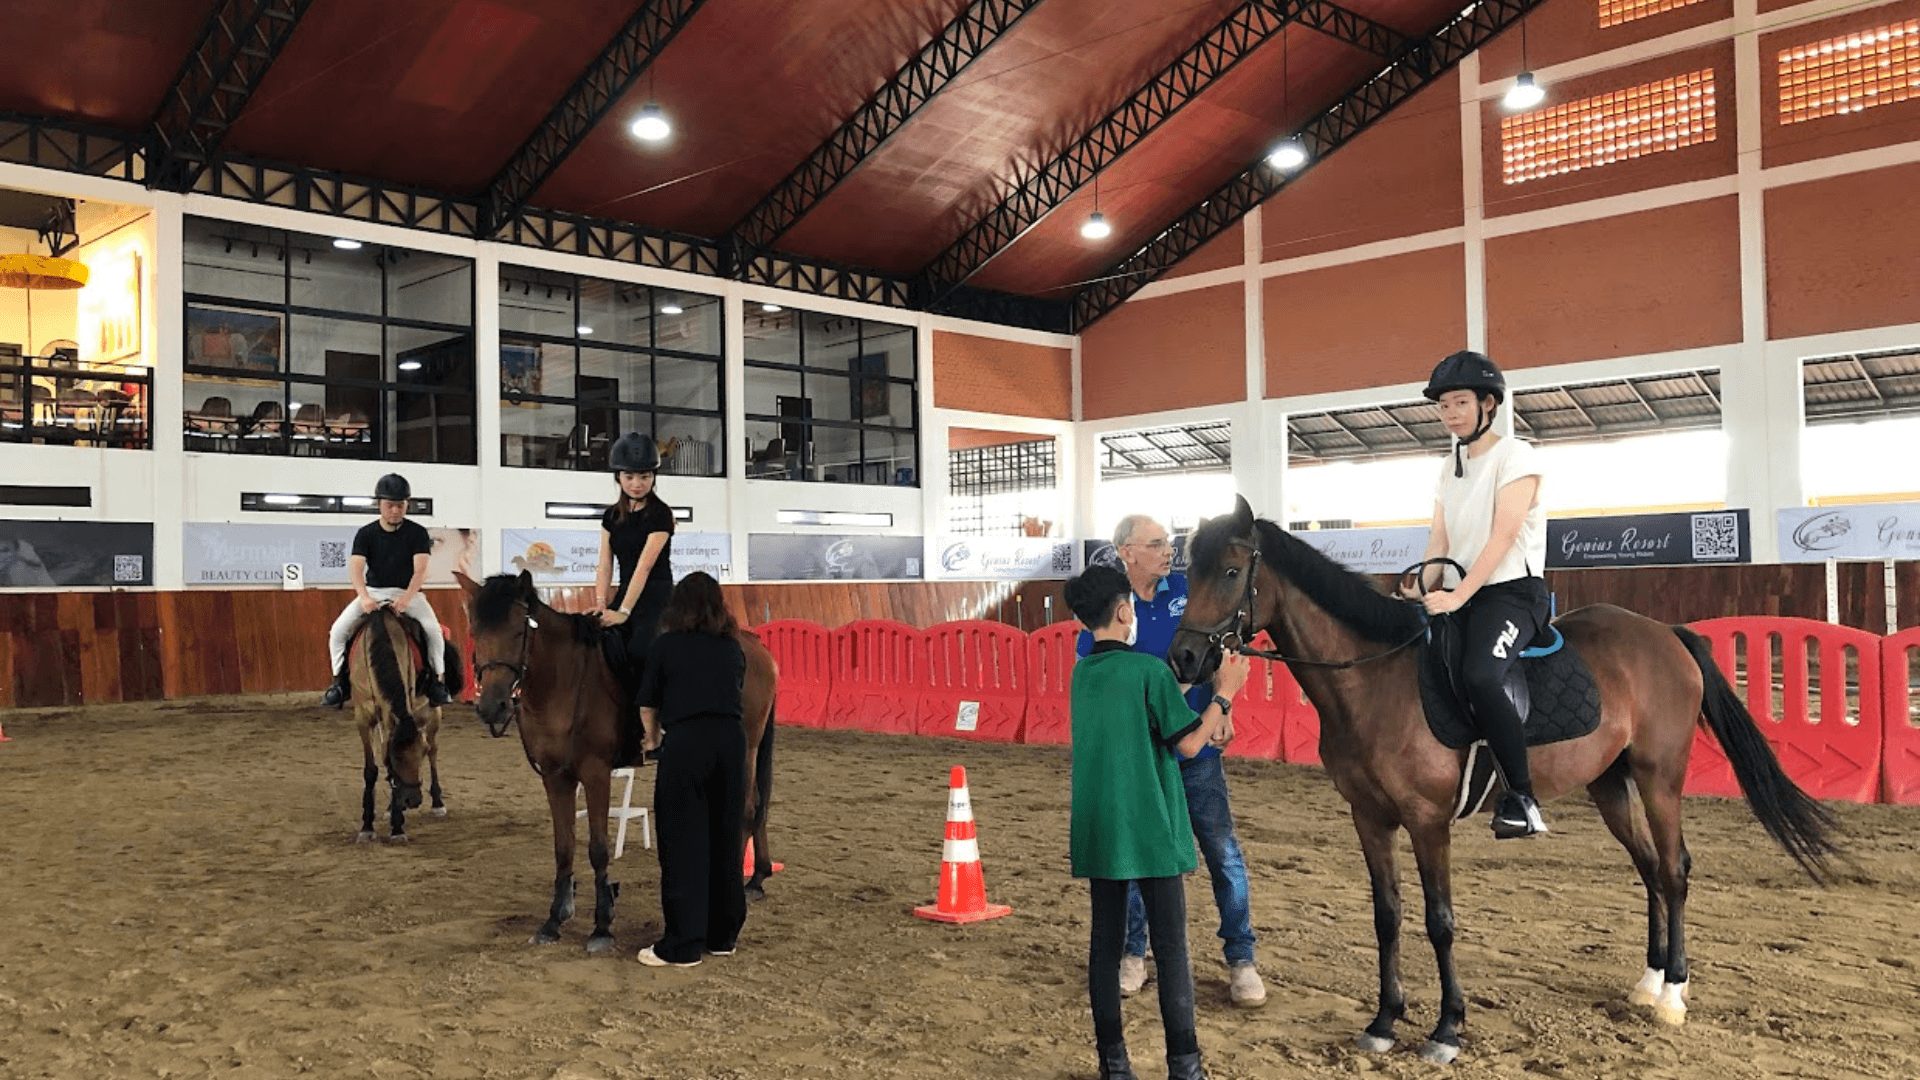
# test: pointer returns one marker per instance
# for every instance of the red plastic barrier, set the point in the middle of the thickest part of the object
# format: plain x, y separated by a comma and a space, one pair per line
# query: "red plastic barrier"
879, 672
800, 648
1900, 763
976, 682
1831, 756
1300, 738
1260, 709
1050, 660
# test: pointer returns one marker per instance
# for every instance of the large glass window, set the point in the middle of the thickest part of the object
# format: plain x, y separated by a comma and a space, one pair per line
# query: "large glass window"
830, 398
300, 344
583, 361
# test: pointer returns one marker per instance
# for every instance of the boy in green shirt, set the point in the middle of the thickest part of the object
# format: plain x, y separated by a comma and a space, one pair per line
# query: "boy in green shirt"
1129, 820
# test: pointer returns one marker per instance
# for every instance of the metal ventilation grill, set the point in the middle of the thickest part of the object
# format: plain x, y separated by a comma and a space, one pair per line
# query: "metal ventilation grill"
1185, 448
1860, 386
1681, 401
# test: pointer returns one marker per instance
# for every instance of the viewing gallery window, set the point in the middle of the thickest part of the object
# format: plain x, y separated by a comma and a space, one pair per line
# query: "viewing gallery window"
1001, 484
74, 315
830, 398
1849, 73
309, 345
1651, 118
584, 361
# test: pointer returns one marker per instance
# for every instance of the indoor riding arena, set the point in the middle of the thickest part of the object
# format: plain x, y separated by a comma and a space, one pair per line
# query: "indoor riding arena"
1420, 495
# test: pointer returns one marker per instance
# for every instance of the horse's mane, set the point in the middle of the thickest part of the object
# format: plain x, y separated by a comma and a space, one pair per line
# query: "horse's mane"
493, 606
387, 677
1343, 594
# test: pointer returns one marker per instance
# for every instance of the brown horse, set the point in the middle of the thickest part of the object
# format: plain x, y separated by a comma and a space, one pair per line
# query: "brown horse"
1656, 682
397, 723
546, 669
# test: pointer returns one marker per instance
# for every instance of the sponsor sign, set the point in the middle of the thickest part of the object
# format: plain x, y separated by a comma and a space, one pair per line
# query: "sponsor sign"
1685, 539
1867, 531
228, 554
571, 556
1010, 558
829, 557
48, 554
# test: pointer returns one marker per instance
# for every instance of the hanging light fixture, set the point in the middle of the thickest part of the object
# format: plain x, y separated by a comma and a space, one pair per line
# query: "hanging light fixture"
1096, 226
1526, 91
651, 125
1291, 153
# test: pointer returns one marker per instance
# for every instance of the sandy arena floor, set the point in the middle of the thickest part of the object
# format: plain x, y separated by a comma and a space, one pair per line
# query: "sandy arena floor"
181, 897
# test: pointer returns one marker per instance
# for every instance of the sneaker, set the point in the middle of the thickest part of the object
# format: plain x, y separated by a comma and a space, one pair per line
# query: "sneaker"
728, 951
654, 959
1244, 984
1133, 974
1518, 815
436, 691
336, 695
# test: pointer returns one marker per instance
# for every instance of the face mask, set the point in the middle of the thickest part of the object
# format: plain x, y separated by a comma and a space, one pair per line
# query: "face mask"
1133, 625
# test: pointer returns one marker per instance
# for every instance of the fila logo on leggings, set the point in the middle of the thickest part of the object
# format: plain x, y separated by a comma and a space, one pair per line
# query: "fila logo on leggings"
1507, 637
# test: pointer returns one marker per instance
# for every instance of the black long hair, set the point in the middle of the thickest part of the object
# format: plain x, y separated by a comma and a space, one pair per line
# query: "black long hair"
698, 606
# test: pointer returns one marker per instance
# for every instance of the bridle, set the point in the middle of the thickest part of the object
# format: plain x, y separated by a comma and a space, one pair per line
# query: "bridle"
1232, 633
517, 669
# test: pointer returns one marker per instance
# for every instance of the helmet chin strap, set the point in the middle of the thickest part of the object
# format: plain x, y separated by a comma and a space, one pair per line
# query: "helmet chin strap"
1485, 425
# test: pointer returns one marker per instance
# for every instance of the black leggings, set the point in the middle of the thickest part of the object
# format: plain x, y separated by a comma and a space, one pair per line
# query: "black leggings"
643, 625
1500, 621
1166, 902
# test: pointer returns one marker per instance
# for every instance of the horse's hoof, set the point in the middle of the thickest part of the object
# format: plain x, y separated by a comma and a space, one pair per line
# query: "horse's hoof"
755, 892
544, 936
364, 836
1373, 1044
1439, 1053
599, 944
1671, 1009
439, 811
1647, 990
1670, 1016
400, 838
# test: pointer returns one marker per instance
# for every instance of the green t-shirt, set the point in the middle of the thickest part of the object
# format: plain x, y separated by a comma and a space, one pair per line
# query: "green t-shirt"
1129, 804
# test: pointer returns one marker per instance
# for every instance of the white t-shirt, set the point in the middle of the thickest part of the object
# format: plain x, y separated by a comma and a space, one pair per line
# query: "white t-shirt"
1466, 505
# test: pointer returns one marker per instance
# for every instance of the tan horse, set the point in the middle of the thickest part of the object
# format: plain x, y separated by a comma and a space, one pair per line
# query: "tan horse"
545, 668
397, 724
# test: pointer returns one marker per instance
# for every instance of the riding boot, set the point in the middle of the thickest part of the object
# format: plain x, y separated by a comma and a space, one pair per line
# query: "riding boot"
1518, 815
436, 690
338, 693
1114, 1064
1185, 1067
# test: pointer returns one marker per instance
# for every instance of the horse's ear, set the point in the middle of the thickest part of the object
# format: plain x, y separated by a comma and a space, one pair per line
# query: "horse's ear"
526, 585
471, 586
1242, 516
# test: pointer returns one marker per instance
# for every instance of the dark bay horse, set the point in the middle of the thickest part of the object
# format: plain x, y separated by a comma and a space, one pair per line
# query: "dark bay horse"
545, 668
1656, 682
397, 724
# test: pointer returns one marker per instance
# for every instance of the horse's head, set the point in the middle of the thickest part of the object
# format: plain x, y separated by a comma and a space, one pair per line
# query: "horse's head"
1230, 593
406, 751
502, 615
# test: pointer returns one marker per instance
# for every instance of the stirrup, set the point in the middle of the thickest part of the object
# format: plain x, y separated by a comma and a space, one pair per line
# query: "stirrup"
1529, 822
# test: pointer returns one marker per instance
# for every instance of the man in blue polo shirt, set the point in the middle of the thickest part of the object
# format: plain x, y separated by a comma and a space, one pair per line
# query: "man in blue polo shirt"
1159, 599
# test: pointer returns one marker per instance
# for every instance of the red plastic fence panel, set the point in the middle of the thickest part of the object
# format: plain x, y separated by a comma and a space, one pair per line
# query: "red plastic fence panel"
1830, 750
1050, 660
1300, 738
1900, 761
879, 672
800, 649
976, 682
1260, 709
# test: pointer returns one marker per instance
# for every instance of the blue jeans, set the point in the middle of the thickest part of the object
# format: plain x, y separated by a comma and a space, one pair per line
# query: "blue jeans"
1206, 783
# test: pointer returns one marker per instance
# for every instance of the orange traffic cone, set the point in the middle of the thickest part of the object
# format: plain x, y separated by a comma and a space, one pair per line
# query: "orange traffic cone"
3, 735
746, 864
963, 888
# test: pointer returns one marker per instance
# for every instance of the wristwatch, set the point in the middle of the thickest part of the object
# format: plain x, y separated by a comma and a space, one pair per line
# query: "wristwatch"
1226, 707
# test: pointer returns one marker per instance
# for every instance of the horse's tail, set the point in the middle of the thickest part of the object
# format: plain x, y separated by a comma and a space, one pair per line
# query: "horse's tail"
763, 778
1801, 826
456, 669
384, 661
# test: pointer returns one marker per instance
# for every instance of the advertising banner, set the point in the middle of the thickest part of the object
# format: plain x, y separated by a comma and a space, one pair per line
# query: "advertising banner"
46, 554
1685, 539
1370, 551
219, 553
1867, 531
570, 556
829, 557
1003, 558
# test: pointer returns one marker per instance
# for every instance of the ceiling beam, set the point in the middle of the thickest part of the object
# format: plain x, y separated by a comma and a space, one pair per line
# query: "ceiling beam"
73, 146
619, 66
1417, 65
240, 41
957, 45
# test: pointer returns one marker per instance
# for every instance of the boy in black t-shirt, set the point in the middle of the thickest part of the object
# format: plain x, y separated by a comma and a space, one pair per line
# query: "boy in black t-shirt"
388, 567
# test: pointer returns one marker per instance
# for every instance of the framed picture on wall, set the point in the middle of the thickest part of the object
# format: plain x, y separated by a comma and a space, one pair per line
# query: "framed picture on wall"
520, 369
871, 391
244, 341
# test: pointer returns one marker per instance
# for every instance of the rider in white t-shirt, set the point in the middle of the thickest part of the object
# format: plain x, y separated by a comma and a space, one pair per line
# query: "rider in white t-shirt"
1488, 518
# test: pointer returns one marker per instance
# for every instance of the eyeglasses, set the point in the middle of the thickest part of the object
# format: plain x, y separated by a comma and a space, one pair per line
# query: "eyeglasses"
1155, 545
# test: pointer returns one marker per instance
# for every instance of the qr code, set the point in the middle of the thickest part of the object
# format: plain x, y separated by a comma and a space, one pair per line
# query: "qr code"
1063, 558
333, 554
1716, 536
129, 568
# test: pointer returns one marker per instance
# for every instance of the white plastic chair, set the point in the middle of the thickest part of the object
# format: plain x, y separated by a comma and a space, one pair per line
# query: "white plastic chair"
625, 812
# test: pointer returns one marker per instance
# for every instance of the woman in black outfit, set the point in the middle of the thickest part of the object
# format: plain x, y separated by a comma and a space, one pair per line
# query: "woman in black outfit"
690, 702
635, 533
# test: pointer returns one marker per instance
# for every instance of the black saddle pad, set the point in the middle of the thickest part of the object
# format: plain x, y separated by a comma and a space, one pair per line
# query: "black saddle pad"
1556, 694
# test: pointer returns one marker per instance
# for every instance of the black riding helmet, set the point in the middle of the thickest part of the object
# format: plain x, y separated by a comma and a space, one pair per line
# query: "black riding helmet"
634, 452
393, 486
1468, 370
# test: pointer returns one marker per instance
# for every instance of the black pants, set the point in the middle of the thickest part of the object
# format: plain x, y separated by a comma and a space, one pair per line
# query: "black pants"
643, 625
697, 800
1498, 622
1166, 902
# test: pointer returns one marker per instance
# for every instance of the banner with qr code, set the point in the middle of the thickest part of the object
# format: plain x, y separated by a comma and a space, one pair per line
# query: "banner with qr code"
245, 554
1684, 539
1002, 558
1869, 531
572, 556
49, 554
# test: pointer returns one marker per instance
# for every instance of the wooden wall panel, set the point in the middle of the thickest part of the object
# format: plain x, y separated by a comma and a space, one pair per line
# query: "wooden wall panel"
1841, 253
1171, 352
1364, 324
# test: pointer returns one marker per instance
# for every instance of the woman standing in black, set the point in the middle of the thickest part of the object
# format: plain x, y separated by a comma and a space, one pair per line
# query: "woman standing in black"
690, 702
635, 533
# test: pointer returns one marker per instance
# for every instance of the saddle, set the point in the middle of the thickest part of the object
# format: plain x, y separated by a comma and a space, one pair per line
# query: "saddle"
1551, 688
416, 643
